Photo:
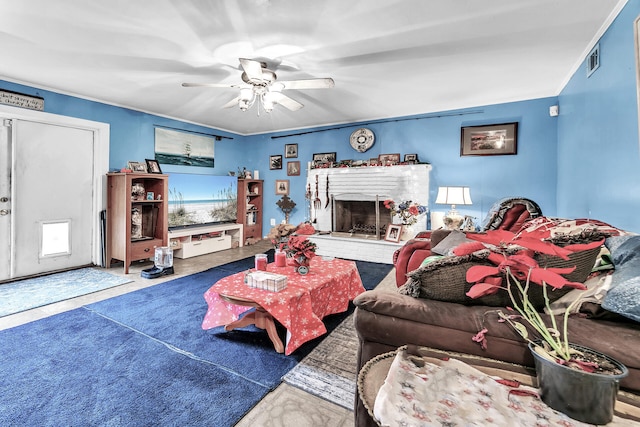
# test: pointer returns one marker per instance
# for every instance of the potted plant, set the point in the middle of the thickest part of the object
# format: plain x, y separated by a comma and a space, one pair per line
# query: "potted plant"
578, 381
299, 252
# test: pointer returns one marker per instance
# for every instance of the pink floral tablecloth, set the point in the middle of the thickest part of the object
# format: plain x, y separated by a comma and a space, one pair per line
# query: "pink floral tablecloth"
326, 289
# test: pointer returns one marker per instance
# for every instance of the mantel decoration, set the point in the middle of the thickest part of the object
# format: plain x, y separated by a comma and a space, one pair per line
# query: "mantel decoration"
575, 380
408, 213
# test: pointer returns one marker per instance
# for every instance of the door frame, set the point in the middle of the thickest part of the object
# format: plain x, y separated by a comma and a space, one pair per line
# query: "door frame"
101, 135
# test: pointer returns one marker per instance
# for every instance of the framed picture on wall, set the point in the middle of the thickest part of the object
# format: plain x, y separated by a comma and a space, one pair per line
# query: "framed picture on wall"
490, 140
293, 168
275, 162
291, 151
282, 187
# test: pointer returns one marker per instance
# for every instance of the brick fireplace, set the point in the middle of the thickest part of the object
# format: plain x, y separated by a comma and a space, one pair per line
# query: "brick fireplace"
352, 218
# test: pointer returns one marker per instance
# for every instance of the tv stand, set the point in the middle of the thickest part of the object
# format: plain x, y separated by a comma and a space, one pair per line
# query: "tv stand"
193, 241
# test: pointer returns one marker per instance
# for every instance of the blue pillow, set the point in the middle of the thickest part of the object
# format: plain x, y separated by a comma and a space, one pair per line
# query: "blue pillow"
624, 295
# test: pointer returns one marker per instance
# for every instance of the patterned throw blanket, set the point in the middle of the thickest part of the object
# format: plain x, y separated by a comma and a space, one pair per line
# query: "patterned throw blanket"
452, 393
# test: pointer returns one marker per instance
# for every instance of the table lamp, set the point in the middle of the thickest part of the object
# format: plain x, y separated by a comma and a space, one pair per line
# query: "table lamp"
453, 196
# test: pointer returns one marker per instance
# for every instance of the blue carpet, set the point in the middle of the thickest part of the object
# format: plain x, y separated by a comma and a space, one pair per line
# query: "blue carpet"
143, 359
31, 293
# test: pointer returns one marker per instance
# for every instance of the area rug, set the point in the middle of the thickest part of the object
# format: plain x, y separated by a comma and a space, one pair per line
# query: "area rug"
143, 359
329, 370
39, 291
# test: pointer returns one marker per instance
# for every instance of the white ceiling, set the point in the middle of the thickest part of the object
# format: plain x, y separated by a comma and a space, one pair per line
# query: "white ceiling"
388, 58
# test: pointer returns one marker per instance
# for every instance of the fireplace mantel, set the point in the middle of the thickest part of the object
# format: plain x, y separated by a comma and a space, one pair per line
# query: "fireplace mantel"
400, 183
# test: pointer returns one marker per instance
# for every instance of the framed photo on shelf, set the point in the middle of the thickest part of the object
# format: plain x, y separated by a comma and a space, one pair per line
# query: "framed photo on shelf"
319, 158
291, 151
394, 231
153, 166
490, 140
275, 162
138, 167
389, 159
293, 168
411, 158
282, 187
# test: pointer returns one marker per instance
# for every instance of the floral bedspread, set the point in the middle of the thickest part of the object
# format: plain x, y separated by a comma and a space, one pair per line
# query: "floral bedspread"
452, 393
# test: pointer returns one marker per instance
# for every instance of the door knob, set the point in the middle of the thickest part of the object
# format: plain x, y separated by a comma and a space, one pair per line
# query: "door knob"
4, 211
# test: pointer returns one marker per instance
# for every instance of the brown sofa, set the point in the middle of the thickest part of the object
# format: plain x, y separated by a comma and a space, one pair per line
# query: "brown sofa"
385, 320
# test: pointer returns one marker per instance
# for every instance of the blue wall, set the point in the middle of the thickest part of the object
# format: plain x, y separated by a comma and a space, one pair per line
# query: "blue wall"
436, 139
598, 150
584, 163
132, 132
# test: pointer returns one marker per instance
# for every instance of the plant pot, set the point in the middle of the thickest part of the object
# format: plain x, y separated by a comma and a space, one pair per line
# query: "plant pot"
583, 396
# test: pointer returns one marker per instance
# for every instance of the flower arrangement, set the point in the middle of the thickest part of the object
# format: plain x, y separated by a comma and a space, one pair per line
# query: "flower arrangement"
407, 211
515, 271
299, 249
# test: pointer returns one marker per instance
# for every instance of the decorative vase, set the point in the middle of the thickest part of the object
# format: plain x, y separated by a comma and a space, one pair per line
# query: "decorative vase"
583, 396
408, 232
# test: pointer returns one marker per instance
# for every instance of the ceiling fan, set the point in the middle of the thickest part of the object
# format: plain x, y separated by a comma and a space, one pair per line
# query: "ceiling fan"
263, 84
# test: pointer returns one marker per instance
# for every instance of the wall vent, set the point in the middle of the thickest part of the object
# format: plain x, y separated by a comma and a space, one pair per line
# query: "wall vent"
593, 60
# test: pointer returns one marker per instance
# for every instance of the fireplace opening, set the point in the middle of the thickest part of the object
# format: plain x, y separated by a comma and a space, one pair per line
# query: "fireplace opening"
360, 218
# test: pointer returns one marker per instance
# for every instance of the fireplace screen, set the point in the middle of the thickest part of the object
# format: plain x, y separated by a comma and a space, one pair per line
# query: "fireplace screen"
360, 218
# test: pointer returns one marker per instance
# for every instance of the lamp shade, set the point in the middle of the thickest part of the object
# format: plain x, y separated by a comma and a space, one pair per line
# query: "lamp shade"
453, 196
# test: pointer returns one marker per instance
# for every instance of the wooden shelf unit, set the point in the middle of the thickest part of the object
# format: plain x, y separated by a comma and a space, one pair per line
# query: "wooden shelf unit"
250, 198
121, 243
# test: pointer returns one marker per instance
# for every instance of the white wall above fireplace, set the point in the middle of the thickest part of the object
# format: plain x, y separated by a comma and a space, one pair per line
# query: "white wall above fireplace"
399, 183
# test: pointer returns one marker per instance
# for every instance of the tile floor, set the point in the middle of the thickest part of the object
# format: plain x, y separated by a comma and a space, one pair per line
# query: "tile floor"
284, 406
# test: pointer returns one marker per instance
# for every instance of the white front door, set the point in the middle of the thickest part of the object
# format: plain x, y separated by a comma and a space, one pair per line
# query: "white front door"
48, 184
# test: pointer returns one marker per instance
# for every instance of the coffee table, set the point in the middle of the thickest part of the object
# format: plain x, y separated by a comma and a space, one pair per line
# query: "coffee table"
300, 308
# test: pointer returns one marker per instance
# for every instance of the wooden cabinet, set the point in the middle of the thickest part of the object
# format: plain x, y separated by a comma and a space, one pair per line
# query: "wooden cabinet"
250, 196
137, 216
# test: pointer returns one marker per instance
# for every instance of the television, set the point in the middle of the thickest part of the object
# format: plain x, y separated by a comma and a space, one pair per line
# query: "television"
196, 199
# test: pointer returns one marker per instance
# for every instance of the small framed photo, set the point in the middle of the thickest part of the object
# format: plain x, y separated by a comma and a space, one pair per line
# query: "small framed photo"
291, 151
138, 167
153, 166
374, 161
320, 158
389, 159
411, 158
490, 140
293, 168
282, 187
394, 231
150, 195
275, 162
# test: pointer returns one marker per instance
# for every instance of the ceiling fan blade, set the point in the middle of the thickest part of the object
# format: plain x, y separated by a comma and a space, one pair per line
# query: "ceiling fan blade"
209, 85
232, 103
308, 84
253, 69
285, 101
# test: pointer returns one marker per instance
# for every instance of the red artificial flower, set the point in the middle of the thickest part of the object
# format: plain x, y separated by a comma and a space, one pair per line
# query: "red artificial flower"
413, 210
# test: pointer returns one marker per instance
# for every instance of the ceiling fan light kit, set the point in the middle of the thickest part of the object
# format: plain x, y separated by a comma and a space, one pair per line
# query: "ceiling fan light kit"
261, 83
